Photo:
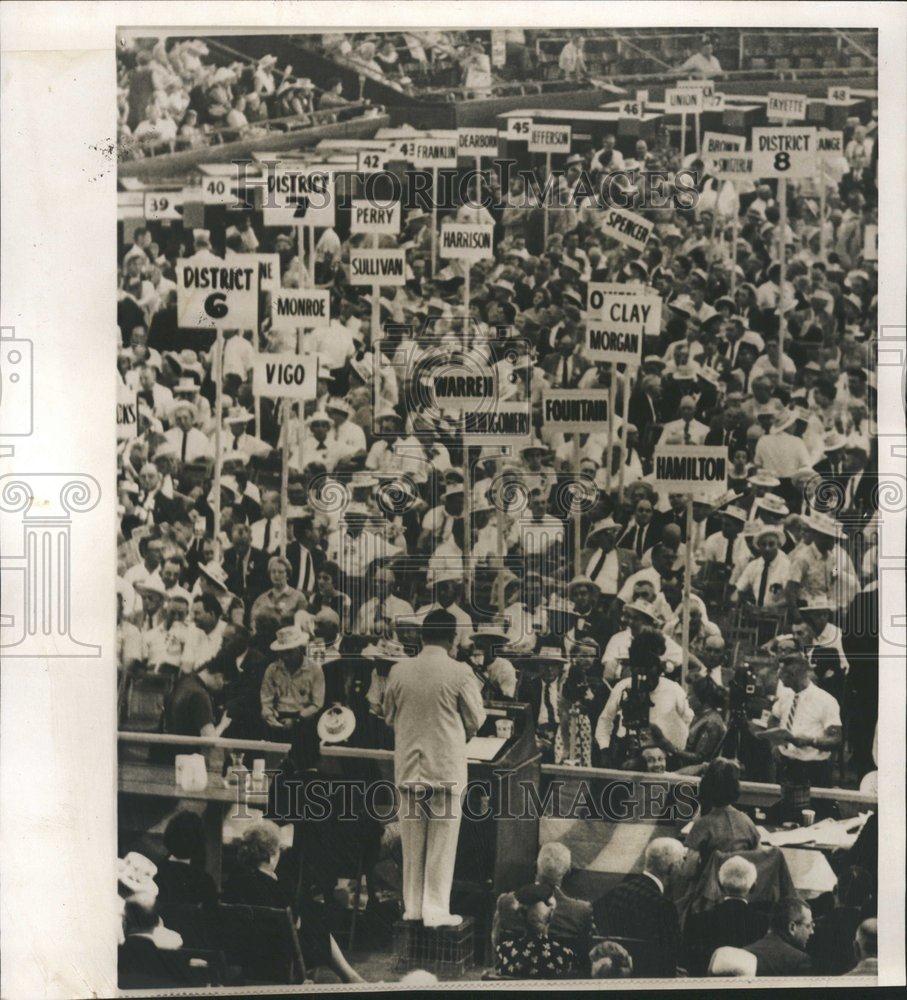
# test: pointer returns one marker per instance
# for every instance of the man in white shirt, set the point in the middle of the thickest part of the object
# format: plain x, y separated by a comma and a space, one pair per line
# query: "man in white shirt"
239, 355
237, 441
189, 443
349, 438
316, 446
685, 430
670, 712
764, 579
811, 718
726, 548
267, 533
702, 65
779, 453
639, 615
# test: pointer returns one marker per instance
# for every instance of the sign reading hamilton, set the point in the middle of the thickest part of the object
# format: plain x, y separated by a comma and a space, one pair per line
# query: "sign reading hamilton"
699, 469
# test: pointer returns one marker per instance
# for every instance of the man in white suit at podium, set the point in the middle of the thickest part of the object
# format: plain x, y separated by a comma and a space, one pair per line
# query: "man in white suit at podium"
435, 707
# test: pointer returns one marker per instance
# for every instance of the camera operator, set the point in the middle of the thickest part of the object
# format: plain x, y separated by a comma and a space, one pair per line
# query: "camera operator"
642, 705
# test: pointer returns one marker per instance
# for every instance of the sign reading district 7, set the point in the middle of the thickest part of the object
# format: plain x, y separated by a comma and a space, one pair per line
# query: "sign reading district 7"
697, 469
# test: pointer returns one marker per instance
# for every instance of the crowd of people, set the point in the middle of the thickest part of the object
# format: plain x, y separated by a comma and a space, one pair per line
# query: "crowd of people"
174, 95
255, 615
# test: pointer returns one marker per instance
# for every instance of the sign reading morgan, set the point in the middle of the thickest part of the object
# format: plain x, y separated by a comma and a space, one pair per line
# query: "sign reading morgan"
698, 469
216, 294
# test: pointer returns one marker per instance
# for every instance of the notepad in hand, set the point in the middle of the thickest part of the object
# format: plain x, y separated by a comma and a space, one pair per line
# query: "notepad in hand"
777, 734
484, 747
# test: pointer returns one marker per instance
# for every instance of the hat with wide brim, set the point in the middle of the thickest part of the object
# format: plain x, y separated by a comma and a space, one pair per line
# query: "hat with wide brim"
336, 724
491, 630
215, 574
761, 530
289, 637
824, 525
582, 581
550, 654
644, 608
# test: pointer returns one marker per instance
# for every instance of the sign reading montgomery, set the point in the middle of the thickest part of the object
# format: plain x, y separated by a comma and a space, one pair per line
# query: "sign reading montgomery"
697, 469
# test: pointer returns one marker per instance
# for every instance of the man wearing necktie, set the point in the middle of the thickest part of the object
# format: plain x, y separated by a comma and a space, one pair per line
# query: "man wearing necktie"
640, 534
543, 692
811, 718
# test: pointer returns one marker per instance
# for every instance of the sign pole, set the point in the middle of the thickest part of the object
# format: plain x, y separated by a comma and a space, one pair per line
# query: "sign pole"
310, 255
782, 249
822, 195
376, 303
623, 438
467, 484
547, 175
499, 539
612, 374
735, 226
285, 408
696, 121
434, 221
687, 577
683, 134
577, 514
218, 409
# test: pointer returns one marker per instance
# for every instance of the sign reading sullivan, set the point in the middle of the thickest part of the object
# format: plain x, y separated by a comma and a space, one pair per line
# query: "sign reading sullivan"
377, 267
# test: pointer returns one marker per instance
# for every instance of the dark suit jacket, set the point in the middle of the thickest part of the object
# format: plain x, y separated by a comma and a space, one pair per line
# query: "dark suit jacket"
184, 883
551, 365
256, 580
295, 556
636, 908
142, 965
733, 922
775, 957
643, 414
242, 694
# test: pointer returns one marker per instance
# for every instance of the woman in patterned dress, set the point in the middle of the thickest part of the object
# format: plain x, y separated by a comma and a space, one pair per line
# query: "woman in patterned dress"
532, 954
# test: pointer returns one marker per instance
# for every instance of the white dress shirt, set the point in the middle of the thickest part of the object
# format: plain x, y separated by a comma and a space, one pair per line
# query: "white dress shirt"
751, 578
815, 712
670, 712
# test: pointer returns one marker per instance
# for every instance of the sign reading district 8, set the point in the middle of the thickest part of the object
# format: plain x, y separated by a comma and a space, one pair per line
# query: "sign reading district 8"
212, 293
784, 152
575, 409
697, 469
303, 307
465, 241
292, 376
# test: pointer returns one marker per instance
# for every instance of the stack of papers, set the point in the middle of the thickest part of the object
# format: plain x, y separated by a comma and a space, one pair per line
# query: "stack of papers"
484, 747
841, 833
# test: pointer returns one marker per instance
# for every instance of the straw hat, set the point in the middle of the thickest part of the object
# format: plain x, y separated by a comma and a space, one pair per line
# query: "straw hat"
289, 637
336, 724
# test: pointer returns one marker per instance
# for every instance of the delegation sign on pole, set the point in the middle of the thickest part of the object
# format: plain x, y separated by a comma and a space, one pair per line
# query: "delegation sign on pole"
285, 376
700, 470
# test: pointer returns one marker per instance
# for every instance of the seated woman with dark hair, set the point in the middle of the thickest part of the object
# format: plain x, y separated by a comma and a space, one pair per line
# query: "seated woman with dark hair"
254, 882
720, 826
182, 877
707, 730
531, 953
610, 960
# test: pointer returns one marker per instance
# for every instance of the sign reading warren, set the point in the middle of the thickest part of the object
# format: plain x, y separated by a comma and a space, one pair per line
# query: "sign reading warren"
302, 307
212, 293
615, 331
697, 469
784, 152
466, 241
293, 376
575, 409
368, 218
377, 267
627, 227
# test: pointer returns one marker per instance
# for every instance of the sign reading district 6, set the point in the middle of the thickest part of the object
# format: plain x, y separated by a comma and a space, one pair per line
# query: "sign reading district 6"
697, 469
217, 294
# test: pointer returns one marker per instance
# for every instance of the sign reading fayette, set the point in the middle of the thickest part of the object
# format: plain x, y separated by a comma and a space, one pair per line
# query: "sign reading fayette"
699, 469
